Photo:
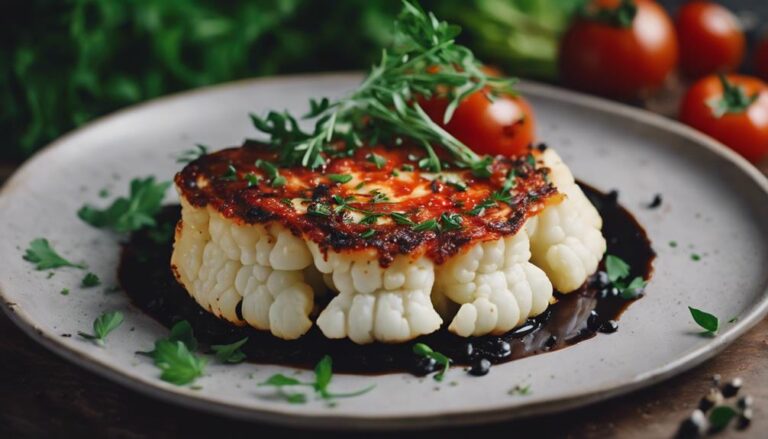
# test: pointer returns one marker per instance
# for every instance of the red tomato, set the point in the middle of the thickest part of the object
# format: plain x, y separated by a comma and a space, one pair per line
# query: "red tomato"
623, 62
744, 125
505, 126
761, 59
711, 39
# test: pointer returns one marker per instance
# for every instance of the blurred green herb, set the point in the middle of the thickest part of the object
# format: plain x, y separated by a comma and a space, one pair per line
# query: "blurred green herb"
45, 257
132, 213
103, 325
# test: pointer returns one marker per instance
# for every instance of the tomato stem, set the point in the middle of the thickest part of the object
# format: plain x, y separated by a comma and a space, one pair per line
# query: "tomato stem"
621, 16
733, 101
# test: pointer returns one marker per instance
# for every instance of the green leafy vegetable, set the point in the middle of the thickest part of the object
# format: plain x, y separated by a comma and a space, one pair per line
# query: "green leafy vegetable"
323, 377
45, 257
103, 325
426, 351
706, 320
230, 353
618, 271
132, 213
90, 280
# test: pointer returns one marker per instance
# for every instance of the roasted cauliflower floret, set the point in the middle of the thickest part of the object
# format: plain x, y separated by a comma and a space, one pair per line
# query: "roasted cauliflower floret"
386, 304
261, 268
495, 285
566, 241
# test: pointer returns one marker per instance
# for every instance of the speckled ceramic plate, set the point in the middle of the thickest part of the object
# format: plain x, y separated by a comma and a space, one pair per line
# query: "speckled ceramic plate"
715, 205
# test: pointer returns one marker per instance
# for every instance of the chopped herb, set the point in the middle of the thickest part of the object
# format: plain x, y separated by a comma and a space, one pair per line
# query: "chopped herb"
103, 193
230, 353
673, 244
480, 208
531, 160
368, 233
377, 160
50, 274
407, 167
252, 179
706, 320
721, 416
401, 218
90, 280
733, 319
182, 331
319, 209
231, 174
132, 213
618, 271
428, 225
191, 155
323, 377
64, 292
45, 257
360, 185
395, 173
633, 289
520, 390
461, 187
378, 196
426, 351
451, 221
370, 218
695, 257
340, 178
103, 325
272, 171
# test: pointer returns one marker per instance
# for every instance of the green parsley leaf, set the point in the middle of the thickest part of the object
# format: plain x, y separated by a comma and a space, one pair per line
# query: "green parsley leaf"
633, 289
252, 179
178, 365
182, 331
132, 213
279, 380
721, 416
377, 160
340, 178
230, 353
103, 325
426, 351
706, 320
520, 390
323, 374
368, 233
695, 257
90, 280
45, 257
64, 291
190, 155
272, 172
616, 268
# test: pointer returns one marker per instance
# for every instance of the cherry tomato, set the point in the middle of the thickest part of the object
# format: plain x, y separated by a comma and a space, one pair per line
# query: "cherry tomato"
733, 109
761, 60
711, 39
503, 126
619, 58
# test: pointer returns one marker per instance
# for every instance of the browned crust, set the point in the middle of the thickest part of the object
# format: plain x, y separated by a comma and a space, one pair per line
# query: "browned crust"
202, 183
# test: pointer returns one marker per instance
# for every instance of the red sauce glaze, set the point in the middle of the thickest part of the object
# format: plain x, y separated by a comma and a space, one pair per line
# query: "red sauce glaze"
207, 182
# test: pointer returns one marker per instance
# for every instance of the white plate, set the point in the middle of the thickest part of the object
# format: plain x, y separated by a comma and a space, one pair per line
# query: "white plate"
714, 205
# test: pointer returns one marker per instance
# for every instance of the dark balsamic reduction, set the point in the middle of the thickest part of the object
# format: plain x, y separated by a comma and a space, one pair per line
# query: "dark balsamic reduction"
146, 277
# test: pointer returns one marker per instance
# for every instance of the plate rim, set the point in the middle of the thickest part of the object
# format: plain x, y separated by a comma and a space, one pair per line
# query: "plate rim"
183, 397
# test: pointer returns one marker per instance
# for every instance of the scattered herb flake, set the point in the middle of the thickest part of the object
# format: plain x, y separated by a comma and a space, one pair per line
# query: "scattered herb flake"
340, 178
401, 218
103, 325
45, 257
673, 244
706, 320
451, 221
64, 291
132, 213
368, 233
90, 280
377, 160
520, 390
616, 268
103, 193
721, 416
231, 174
190, 155
407, 168
426, 351
252, 179
319, 209
695, 257
428, 225
178, 365
230, 353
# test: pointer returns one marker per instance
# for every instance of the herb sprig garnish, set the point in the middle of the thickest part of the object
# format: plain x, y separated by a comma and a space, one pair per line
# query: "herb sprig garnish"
190, 155
45, 257
425, 351
618, 271
424, 62
273, 173
103, 325
90, 280
127, 214
708, 321
323, 377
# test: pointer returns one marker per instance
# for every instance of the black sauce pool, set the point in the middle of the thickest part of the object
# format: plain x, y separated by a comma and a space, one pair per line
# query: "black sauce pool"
146, 277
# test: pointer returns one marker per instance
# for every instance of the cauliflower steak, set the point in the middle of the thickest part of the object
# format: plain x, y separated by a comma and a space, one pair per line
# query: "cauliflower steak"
372, 248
